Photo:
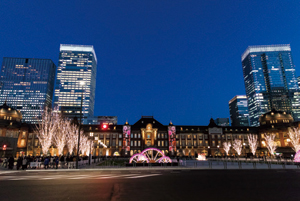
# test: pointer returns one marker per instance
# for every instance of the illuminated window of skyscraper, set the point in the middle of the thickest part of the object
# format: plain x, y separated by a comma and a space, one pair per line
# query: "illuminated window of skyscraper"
76, 77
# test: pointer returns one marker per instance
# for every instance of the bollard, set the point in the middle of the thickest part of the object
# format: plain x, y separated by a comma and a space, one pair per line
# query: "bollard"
225, 165
283, 165
254, 165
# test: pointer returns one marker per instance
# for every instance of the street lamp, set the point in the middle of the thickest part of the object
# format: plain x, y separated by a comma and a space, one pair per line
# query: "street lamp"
79, 127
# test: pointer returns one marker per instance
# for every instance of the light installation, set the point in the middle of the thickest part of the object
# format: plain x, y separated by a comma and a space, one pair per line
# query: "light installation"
150, 155
126, 137
201, 157
172, 138
297, 157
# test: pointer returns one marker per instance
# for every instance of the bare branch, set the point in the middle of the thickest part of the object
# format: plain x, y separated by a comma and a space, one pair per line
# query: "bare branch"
237, 146
253, 143
294, 134
271, 144
226, 147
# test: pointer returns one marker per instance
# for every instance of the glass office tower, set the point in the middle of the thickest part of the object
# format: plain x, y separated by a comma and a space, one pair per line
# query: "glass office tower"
27, 85
77, 64
238, 109
270, 81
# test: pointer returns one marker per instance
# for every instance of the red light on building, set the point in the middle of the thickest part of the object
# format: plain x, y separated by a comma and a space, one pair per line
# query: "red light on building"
104, 126
4, 147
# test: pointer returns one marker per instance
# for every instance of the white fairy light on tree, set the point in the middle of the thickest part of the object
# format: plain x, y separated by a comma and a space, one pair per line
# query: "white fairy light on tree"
237, 146
226, 147
46, 129
91, 146
271, 144
72, 137
294, 135
253, 143
83, 143
60, 136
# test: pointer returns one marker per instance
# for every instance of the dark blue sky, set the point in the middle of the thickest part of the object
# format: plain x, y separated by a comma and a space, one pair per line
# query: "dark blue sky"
176, 60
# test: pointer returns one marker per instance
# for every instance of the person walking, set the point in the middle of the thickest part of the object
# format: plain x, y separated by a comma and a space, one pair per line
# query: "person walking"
51, 162
5, 161
56, 162
46, 163
24, 163
11, 161
19, 163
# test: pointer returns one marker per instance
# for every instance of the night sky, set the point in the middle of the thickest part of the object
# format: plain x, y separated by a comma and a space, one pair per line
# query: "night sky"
175, 60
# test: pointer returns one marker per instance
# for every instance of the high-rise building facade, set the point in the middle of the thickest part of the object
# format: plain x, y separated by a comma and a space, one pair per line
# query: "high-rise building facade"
76, 77
270, 81
27, 85
238, 109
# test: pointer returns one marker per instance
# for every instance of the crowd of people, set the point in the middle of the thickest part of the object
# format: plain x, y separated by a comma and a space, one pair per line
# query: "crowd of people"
23, 162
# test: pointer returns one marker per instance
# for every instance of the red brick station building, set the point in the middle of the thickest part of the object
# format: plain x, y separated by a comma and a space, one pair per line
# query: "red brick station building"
128, 139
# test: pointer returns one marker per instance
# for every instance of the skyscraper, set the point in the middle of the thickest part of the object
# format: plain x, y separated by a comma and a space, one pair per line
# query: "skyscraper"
238, 109
76, 76
270, 80
27, 85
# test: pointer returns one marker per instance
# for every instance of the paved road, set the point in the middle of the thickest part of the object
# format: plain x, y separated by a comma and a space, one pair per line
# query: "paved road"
152, 185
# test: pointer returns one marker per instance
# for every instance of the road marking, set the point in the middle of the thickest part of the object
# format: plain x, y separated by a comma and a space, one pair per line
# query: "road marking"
128, 175
17, 179
49, 177
148, 175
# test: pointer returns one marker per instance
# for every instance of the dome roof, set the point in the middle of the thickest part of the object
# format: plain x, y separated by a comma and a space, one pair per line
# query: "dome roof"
275, 117
9, 113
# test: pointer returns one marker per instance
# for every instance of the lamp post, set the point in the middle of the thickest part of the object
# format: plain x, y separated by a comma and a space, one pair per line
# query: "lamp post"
79, 127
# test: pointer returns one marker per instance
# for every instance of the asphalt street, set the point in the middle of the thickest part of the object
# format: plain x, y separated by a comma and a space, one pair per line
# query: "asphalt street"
151, 185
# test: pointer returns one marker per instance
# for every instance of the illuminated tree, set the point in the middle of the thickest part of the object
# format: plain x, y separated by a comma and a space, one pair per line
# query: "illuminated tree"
253, 143
46, 129
72, 137
226, 147
90, 147
270, 142
237, 146
60, 136
83, 146
294, 135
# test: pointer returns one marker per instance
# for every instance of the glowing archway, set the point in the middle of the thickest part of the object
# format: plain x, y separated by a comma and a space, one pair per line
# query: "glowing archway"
150, 155
165, 159
297, 157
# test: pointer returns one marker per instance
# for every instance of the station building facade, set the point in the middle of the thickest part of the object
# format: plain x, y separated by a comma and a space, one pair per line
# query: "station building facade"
182, 140
173, 140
